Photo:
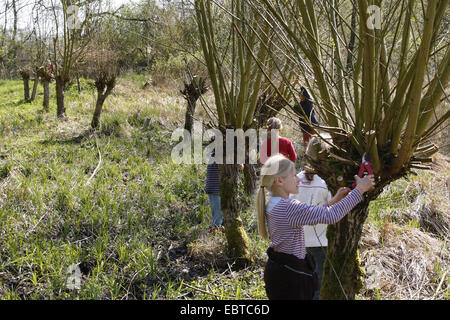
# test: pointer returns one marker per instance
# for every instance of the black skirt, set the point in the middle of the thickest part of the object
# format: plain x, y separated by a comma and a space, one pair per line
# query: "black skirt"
289, 278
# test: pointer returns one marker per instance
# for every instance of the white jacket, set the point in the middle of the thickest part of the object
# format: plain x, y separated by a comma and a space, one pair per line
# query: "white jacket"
313, 193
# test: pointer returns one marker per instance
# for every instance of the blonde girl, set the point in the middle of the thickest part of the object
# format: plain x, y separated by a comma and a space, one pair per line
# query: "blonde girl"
288, 273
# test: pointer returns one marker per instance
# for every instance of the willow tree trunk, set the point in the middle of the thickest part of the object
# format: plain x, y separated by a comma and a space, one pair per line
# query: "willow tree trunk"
35, 86
342, 273
192, 92
190, 111
102, 94
98, 110
250, 178
237, 239
46, 102
60, 108
26, 87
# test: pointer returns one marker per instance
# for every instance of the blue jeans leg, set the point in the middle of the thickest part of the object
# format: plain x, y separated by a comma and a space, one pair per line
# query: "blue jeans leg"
216, 211
319, 254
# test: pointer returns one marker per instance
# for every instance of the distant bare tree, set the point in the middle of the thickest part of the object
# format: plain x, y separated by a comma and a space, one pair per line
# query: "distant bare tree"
46, 74
192, 91
71, 38
25, 73
101, 65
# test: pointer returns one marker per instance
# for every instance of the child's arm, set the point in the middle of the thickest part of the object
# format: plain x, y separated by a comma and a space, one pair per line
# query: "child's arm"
302, 214
340, 194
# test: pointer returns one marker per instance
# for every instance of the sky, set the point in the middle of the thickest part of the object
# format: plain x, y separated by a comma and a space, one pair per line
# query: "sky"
26, 7
117, 3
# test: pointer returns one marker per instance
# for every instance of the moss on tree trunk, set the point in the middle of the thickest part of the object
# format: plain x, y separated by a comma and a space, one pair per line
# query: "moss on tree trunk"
342, 274
237, 239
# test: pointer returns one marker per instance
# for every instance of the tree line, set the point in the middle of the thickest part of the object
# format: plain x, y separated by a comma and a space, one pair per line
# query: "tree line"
61, 41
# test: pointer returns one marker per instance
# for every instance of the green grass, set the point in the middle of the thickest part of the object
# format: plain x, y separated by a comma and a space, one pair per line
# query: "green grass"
119, 227
137, 228
400, 200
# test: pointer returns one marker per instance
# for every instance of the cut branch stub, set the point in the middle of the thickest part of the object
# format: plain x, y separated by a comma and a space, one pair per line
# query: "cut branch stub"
194, 89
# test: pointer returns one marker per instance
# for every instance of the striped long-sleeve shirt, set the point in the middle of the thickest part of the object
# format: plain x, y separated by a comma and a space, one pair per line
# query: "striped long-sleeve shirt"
212, 179
286, 218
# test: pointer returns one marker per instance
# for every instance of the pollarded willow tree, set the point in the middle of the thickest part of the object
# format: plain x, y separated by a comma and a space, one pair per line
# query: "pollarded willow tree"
378, 71
74, 27
102, 66
240, 90
236, 82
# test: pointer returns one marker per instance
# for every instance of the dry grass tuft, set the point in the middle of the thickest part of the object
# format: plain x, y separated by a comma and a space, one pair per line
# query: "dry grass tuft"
208, 249
407, 257
432, 205
408, 264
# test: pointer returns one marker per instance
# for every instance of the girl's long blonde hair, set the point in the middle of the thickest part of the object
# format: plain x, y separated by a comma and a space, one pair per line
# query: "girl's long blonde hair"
277, 165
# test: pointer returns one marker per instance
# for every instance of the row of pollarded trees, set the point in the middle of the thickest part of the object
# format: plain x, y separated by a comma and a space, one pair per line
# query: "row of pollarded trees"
82, 47
376, 87
77, 49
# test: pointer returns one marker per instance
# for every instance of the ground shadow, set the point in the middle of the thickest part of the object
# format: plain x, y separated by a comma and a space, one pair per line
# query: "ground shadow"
87, 134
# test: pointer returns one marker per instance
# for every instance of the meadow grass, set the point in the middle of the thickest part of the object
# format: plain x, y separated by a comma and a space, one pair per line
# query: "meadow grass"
112, 203
119, 225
